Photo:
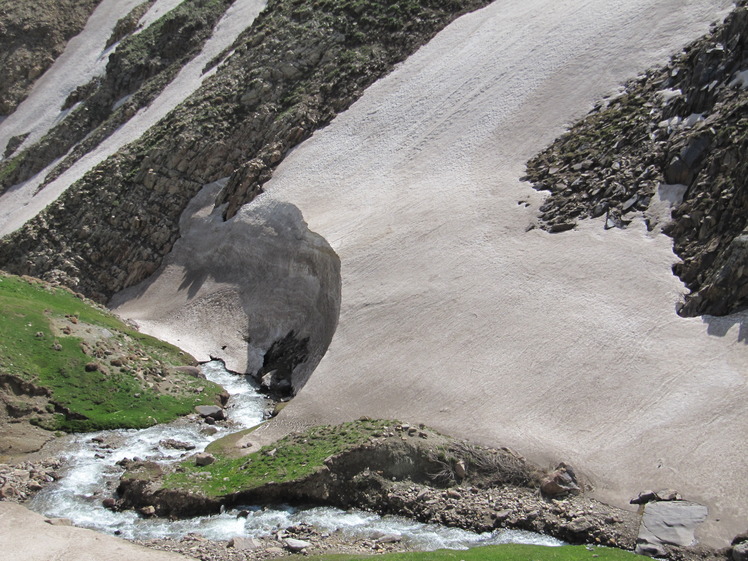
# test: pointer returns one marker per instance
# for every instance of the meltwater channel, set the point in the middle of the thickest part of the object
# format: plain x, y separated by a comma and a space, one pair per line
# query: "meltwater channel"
92, 474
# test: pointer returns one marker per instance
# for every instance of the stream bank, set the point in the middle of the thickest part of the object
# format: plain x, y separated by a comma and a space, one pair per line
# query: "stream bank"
71, 484
385, 467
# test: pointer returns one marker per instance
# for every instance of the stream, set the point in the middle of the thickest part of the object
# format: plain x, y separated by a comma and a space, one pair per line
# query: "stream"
92, 474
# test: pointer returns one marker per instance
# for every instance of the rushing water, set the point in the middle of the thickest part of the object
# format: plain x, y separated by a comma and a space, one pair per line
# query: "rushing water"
92, 475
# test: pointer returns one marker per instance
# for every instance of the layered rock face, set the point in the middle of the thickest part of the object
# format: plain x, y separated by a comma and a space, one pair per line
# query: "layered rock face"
140, 67
32, 35
684, 124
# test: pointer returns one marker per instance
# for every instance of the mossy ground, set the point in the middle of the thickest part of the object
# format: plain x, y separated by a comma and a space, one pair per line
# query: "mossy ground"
509, 552
293, 457
130, 386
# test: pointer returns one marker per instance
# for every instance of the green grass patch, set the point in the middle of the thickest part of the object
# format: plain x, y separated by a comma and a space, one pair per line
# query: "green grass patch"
134, 394
508, 552
290, 458
9, 167
226, 446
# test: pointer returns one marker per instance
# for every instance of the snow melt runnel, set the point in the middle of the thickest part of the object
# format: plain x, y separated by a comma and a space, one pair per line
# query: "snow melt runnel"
564, 347
23, 202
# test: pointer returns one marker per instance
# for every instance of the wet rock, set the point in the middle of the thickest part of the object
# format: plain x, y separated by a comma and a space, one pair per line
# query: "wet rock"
176, 444
212, 411
389, 538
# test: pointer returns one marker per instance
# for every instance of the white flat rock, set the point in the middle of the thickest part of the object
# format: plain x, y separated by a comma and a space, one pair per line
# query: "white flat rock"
27, 537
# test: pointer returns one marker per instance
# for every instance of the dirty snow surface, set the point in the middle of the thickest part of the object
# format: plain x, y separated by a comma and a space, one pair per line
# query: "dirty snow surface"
562, 346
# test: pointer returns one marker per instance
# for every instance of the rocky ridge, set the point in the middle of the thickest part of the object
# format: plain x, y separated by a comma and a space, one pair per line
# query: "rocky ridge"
32, 36
675, 135
137, 71
287, 75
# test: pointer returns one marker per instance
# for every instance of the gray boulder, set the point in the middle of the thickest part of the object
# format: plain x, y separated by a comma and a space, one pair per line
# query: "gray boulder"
295, 545
212, 411
669, 523
244, 544
204, 459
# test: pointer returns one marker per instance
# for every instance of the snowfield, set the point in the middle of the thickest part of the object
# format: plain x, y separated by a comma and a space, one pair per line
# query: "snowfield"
454, 312
562, 346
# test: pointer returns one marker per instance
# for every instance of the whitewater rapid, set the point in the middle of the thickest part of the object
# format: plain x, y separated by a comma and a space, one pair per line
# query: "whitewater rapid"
92, 474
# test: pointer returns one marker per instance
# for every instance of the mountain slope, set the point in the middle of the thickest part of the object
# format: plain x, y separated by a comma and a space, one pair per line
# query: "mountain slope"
564, 347
452, 312
31, 39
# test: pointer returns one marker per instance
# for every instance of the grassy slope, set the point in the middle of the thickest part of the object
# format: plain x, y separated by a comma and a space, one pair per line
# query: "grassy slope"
31, 349
509, 552
295, 456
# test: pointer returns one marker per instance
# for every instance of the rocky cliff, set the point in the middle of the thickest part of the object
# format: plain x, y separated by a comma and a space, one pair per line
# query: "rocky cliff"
676, 136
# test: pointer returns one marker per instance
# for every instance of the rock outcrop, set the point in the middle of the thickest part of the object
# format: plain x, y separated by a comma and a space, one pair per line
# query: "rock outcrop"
136, 72
681, 125
32, 35
406, 472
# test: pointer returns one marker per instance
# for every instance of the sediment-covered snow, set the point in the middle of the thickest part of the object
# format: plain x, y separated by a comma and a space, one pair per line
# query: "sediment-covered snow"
564, 347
